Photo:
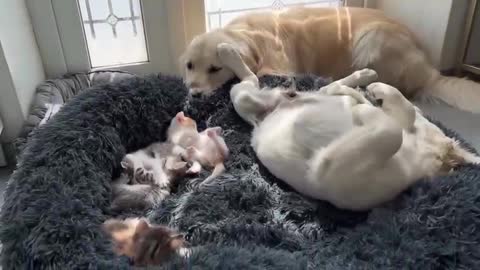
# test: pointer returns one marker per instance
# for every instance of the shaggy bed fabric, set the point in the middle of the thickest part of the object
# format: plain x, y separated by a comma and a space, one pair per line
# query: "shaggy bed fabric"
60, 194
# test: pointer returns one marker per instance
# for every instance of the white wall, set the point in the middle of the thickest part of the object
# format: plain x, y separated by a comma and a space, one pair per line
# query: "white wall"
20, 66
438, 24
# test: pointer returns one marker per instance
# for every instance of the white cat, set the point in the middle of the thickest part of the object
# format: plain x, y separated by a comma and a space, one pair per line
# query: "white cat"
206, 148
334, 145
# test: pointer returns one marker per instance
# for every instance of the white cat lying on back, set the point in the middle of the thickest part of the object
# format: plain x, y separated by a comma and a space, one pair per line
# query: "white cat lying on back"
334, 145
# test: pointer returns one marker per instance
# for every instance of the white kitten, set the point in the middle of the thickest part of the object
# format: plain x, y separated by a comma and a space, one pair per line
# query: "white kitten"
206, 148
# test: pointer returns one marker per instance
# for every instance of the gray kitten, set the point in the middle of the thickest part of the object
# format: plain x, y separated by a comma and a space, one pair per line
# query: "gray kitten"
148, 177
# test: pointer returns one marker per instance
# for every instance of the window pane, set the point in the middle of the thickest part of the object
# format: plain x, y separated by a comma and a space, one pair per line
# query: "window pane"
221, 12
114, 32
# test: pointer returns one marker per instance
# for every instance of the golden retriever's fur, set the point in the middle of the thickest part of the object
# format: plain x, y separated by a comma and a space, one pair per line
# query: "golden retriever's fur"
331, 42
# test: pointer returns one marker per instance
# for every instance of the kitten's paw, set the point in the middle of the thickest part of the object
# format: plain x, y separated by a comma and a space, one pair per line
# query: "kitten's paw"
143, 176
195, 168
365, 76
228, 55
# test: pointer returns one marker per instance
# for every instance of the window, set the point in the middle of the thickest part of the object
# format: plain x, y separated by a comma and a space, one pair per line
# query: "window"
138, 36
114, 32
221, 12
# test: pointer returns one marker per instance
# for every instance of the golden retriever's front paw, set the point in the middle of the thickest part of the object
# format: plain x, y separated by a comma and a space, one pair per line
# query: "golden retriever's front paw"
228, 55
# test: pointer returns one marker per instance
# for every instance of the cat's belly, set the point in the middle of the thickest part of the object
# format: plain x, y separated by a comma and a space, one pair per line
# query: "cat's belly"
286, 138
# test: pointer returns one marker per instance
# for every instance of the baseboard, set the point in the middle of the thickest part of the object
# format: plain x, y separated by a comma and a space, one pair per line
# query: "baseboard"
7, 155
3, 160
462, 73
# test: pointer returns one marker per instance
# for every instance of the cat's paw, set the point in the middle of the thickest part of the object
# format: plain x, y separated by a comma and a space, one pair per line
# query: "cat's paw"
385, 92
228, 55
365, 76
195, 168
143, 176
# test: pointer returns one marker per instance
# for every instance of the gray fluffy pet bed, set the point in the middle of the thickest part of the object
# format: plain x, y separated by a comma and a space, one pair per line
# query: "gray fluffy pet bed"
60, 194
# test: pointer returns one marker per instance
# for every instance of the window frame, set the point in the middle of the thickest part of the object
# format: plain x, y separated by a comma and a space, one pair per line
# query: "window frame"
63, 48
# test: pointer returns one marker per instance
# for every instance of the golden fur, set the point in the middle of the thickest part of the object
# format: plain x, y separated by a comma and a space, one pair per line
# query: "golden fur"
331, 42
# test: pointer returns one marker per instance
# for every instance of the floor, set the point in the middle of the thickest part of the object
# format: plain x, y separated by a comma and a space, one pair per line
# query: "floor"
466, 124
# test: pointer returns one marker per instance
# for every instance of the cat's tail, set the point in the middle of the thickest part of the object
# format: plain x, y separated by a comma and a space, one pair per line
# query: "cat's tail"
461, 155
217, 171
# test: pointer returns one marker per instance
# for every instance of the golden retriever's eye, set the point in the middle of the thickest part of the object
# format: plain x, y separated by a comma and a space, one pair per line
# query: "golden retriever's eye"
189, 65
214, 69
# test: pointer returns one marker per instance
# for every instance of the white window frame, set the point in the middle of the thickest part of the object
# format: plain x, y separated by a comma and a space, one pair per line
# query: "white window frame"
169, 27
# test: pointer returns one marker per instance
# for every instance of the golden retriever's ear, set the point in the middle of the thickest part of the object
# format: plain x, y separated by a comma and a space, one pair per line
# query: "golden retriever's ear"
250, 55
182, 61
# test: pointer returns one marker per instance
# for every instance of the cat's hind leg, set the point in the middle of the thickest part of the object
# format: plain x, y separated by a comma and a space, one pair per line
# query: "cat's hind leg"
249, 102
394, 104
345, 86
362, 151
336, 89
359, 78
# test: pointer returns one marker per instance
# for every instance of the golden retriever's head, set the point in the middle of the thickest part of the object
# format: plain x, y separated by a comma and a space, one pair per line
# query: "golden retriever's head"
203, 71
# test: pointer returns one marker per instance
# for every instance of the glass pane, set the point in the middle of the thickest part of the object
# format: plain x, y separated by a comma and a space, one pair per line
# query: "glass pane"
221, 12
114, 32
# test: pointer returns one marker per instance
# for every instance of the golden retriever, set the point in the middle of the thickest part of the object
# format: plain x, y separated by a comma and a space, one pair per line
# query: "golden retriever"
330, 42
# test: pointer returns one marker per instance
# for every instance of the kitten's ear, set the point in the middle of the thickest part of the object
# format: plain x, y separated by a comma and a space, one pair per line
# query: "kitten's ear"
142, 226
127, 161
214, 131
180, 117
179, 165
249, 51
124, 164
176, 241
172, 164
113, 225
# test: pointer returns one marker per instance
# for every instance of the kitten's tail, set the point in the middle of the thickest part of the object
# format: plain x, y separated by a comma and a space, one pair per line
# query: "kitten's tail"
138, 196
217, 171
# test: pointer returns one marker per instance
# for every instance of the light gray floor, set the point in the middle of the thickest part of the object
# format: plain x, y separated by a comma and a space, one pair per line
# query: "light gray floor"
466, 124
